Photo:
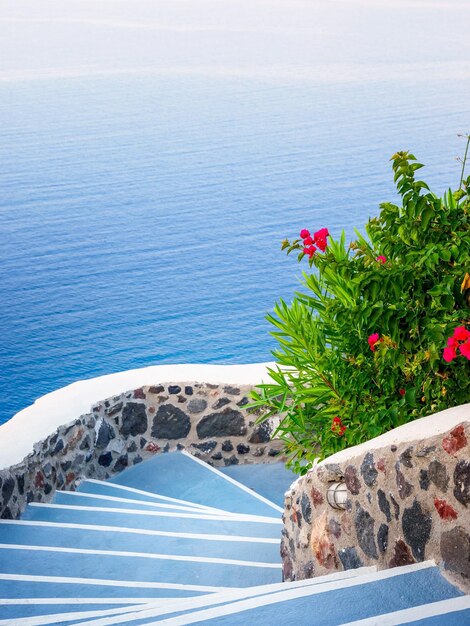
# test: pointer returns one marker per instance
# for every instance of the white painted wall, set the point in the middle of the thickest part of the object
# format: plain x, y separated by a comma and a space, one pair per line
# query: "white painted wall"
41, 419
419, 429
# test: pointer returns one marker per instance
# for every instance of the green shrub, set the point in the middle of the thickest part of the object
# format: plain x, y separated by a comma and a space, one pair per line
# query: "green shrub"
361, 348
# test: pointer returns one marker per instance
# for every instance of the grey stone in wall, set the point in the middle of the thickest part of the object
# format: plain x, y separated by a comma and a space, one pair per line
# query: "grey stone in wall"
224, 424
134, 419
197, 405
170, 422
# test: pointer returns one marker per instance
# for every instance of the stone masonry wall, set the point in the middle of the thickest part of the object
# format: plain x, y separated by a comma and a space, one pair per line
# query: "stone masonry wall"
406, 503
210, 421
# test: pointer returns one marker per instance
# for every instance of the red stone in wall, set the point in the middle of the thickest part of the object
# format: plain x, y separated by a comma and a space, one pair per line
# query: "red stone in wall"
455, 440
445, 510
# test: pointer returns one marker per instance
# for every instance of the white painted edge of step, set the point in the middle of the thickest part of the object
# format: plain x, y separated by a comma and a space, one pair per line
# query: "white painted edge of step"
255, 519
415, 613
153, 496
61, 618
186, 604
38, 421
141, 531
234, 482
282, 596
77, 601
141, 555
106, 582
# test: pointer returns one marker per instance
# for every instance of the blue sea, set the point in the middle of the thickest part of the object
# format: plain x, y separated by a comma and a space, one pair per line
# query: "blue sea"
148, 179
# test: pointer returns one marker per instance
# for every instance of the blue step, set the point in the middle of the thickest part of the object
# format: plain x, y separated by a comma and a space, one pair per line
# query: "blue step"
152, 520
47, 585
205, 571
451, 612
368, 598
165, 607
90, 499
19, 611
26, 532
344, 601
161, 611
180, 475
270, 480
100, 487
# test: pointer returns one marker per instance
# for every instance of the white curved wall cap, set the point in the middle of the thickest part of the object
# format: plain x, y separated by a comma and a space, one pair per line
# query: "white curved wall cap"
41, 419
422, 428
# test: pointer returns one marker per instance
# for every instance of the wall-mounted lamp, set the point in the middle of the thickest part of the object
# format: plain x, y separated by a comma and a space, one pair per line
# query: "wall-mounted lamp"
337, 495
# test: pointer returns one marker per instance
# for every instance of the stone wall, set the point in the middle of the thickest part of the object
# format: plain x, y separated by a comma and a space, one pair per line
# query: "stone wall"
406, 502
211, 421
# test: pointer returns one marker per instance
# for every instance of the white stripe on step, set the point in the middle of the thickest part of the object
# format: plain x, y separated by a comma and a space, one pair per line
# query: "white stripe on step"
283, 596
55, 600
140, 531
112, 583
415, 613
63, 618
154, 496
186, 604
256, 519
234, 482
141, 555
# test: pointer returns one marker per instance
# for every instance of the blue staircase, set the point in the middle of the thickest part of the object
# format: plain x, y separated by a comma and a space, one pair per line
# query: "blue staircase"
175, 541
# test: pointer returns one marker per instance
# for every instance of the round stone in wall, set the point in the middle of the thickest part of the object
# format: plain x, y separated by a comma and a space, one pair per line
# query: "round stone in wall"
170, 422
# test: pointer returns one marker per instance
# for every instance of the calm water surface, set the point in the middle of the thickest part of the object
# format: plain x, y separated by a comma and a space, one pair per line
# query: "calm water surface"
142, 211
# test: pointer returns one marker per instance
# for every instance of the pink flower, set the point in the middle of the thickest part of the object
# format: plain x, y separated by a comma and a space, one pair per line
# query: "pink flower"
381, 259
465, 349
308, 241
461, 333
373, 340
449, 354
309, 251
304, 233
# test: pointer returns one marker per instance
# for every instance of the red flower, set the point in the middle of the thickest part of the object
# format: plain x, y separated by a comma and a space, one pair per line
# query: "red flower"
402, 392
337, 426
381, 259
321, 243
373, 340
449, 354
309, 251
460, 340
452, 342
461, 333
308, 241
321, 234
304, 233
465, 349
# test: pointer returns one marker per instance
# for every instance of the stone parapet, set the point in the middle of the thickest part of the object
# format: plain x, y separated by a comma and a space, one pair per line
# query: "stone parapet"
407, 501
209, 420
